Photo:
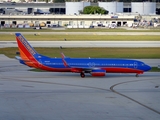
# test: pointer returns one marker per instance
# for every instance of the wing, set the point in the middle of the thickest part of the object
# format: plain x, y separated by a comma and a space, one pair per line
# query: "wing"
76, 68
83, 69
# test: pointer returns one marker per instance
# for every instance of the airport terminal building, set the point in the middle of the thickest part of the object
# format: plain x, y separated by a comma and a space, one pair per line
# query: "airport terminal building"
68, 14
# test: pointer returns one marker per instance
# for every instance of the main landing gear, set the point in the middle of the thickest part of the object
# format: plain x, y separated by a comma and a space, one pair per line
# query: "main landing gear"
82, 75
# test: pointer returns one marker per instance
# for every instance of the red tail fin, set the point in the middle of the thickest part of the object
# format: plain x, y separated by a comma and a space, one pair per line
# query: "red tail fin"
27, 53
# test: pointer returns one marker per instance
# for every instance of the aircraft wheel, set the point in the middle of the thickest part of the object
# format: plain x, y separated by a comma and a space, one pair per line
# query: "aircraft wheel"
137, 75
82, 75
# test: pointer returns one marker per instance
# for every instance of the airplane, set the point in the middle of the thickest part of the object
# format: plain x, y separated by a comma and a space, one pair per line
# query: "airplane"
97, 67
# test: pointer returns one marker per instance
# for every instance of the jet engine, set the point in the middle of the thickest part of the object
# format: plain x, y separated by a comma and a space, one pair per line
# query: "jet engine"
99, 73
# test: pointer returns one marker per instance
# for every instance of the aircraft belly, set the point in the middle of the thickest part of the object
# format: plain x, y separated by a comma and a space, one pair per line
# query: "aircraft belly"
122, 70
57, 69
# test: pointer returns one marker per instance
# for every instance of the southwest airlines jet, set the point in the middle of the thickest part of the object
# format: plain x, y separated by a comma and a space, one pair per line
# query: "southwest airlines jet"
94, 66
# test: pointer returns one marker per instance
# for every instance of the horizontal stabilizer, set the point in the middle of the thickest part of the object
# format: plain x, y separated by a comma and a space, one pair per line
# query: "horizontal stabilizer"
19, 58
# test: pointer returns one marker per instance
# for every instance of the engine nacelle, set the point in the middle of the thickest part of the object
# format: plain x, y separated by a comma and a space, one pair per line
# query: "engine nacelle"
99, 73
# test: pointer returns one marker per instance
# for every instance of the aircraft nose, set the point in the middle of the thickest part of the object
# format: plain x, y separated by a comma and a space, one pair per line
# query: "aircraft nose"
147, 68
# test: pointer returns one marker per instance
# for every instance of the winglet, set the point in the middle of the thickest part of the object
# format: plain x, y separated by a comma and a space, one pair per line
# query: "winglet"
64, 61
63, 56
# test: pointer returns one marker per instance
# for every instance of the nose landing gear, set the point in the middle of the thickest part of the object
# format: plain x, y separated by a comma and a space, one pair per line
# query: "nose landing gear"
137, 75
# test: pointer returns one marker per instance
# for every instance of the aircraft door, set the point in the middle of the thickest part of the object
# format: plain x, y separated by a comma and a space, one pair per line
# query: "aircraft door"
135, 64
40, 63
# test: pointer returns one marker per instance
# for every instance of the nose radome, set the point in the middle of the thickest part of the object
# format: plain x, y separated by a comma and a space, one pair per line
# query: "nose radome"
148, 68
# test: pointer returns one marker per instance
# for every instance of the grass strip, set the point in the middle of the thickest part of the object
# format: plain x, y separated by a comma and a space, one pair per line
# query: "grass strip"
155, 69
130, 53
11, 37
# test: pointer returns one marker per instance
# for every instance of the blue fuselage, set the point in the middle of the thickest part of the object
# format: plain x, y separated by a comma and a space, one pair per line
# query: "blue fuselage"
92, 63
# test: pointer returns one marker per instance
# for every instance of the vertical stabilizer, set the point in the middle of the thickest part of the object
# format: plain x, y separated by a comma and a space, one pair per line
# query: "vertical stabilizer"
27, 52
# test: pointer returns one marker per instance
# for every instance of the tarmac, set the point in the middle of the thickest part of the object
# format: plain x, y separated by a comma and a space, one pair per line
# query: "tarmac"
28, 95
87, 44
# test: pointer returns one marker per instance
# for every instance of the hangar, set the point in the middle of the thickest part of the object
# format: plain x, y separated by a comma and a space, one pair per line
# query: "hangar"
18, 14
75, 21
